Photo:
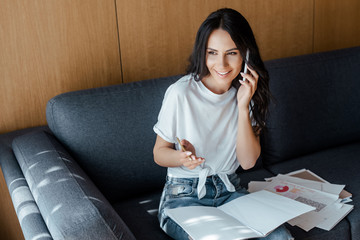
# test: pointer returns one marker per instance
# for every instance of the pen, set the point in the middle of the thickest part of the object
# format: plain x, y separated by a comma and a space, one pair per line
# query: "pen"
183, 148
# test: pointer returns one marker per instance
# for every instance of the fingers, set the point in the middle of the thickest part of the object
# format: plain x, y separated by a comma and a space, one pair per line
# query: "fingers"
186, 144
251, 80
193, 163
251, 77
189, 160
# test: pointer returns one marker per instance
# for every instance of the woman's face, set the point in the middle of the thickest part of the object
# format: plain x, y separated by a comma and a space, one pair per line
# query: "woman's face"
223, 61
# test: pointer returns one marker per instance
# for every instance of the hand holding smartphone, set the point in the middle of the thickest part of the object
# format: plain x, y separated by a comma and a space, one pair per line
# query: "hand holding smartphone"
247, 59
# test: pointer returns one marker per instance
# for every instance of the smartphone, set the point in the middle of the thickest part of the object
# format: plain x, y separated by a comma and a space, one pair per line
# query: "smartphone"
247, 59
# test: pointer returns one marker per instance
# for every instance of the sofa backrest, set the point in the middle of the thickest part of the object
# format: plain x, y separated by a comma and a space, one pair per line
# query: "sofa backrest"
109, 132
317, 104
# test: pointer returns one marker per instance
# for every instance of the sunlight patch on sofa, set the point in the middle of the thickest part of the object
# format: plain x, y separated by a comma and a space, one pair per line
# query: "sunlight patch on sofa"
62, 180
20, 195
77, 176
43, 183
54, 169
64, 159
153, 212
15, 180
43, 152
26, 211
57, 207
41, 236
145, 201
33, 165
94, 199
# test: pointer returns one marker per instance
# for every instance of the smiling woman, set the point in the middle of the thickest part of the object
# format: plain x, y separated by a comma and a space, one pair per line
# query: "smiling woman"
218, 117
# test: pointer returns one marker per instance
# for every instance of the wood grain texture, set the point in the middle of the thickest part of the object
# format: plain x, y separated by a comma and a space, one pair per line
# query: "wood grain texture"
9, 224
49, 47
156, 37
283, 28
336, 24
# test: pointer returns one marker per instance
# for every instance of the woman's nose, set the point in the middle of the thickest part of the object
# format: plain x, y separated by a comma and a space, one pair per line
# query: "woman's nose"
223, 62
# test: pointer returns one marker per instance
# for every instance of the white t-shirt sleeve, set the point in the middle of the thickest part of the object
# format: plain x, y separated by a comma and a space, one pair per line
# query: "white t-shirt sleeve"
167, 118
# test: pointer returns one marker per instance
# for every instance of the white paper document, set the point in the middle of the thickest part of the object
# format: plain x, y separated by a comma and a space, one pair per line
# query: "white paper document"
321, 186
308, 188
313, 197
333, 216
309, 175
251, 216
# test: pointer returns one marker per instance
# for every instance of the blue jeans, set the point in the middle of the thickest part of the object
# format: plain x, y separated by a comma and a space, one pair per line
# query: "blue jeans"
180, 192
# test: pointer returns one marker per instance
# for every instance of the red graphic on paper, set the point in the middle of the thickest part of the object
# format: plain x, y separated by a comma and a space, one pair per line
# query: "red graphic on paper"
281, 188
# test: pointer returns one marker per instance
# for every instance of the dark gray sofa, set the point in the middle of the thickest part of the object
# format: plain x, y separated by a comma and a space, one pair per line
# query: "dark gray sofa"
90, 173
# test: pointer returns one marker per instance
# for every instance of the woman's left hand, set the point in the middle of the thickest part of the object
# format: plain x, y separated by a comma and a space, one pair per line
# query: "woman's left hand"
247, 88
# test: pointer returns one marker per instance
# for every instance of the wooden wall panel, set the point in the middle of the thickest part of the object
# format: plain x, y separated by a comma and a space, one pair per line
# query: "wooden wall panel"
336, 24
282, 28
156, 37
49, 47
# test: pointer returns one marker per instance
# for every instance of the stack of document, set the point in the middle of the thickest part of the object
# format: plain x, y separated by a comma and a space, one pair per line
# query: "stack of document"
330, 200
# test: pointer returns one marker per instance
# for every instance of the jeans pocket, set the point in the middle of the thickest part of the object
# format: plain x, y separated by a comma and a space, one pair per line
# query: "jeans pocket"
176, 189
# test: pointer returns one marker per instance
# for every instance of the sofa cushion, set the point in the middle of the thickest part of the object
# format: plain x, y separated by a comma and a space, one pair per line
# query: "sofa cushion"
109, 132
316, 104
69, 203
140, 214
252, 175
338, 165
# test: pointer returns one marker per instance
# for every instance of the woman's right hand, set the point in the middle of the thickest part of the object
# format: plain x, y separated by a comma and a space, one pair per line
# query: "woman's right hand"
189, 158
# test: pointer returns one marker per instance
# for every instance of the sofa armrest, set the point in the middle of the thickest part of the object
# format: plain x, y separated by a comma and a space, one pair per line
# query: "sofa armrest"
30, 219
71, 205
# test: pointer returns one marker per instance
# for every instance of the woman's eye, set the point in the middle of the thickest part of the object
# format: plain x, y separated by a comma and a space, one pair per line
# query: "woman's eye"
211, 52
232, 53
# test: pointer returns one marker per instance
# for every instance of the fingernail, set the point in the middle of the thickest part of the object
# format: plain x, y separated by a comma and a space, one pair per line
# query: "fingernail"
188, 153
242, 74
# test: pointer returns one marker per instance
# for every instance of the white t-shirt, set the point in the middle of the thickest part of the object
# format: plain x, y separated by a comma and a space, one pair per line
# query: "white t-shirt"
209, 121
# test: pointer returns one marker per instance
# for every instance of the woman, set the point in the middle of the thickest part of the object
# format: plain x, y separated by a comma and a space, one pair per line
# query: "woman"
218, 111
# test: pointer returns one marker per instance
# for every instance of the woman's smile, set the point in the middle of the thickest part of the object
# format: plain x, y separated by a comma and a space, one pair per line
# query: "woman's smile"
223, 74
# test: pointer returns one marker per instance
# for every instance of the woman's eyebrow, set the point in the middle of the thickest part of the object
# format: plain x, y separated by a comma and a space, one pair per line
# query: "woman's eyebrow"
232, 49
229, 50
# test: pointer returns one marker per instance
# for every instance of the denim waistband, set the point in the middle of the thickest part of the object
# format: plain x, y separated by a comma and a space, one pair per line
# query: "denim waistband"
196, 179
201, 181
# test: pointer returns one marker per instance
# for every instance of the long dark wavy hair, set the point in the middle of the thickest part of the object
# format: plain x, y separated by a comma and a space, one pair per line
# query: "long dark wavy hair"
240, 31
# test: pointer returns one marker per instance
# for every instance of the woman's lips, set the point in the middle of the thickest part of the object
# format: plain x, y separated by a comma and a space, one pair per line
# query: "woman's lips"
223, 74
